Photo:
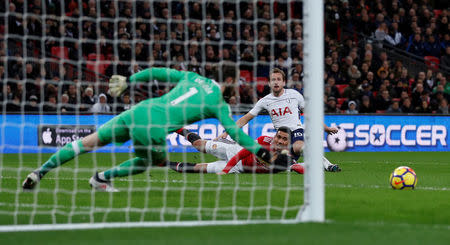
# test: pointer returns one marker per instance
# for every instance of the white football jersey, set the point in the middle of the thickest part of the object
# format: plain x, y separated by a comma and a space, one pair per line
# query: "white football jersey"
283, 110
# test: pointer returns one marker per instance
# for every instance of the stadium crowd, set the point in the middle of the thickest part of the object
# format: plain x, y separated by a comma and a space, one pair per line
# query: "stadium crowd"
56, 56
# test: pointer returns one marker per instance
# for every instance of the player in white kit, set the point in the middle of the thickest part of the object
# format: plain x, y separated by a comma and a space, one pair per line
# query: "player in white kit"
284, 107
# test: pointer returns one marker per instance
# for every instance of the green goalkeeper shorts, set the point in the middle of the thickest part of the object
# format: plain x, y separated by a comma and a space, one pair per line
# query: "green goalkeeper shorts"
117, 130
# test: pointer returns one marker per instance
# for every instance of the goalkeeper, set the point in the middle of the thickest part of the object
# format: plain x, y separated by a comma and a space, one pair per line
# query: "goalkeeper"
148, 123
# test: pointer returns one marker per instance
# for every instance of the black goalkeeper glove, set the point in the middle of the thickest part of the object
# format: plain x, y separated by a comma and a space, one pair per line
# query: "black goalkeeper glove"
264, 154
281, 163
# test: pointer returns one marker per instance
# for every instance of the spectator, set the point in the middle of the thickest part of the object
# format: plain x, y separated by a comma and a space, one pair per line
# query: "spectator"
381, 32
88, 99
101, 106
7, 93
32, 105
345, 67
73, 94
50, 105
328, 63
394, 107
364, 90
423, 107
125, 104
334, 90
372, 81
398, 89
353, 73
297, 86
416, 46
229, 88
407, 107
383, 100
351, 108
364, 25
331, 106
445, 59
432, 47
443, 85
417, 92
328, 91
336, 74
394, 37
436, 99
429, 80
443, 107
246, 94
14, 105
366, 105
351, 92
64, 105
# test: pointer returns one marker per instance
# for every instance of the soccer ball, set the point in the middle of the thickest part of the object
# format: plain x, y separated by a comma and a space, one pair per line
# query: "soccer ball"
338, 141
403, 178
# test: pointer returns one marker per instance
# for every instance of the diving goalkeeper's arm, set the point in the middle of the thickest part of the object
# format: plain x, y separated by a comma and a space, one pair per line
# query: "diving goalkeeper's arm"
118, 84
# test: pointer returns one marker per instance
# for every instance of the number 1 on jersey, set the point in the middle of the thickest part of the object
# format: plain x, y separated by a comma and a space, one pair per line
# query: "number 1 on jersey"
190, 93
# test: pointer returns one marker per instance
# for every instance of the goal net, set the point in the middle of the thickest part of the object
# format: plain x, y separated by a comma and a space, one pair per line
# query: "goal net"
56, 61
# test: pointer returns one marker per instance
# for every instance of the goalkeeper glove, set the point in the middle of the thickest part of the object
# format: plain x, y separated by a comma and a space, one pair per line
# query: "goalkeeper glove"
264, 154
117, 84
281, 162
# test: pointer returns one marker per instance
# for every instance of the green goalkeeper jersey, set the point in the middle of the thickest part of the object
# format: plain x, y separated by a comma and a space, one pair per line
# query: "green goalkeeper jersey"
194, 98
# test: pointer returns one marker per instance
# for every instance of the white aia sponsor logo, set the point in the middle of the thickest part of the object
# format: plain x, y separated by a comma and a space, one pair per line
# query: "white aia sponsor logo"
394, 135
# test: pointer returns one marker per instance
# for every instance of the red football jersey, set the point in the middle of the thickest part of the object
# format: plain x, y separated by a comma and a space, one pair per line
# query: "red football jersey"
250, 162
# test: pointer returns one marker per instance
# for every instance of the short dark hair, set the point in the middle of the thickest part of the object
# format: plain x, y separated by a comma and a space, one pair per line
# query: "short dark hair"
278, 70
284, 129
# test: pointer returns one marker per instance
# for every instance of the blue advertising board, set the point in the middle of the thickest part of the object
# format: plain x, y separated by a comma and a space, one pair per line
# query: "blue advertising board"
25, 133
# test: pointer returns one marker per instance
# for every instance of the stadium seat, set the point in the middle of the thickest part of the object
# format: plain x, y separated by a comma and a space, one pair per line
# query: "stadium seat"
437, 12
432, 62
341, 88
94, 57
260, 83
97, 67
340, 101
247, 75
60, 52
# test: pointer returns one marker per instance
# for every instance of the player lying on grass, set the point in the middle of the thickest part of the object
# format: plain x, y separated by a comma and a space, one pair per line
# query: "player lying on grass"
234, 158
148, 123
284, 107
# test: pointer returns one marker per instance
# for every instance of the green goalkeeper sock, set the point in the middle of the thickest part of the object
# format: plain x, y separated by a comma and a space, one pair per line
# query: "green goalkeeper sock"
63, 155
130, 167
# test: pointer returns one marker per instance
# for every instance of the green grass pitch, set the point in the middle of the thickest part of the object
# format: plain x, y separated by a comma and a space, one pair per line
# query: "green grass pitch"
361, 208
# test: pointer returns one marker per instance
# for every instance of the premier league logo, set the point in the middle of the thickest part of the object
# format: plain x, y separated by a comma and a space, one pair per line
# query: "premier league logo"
338, 141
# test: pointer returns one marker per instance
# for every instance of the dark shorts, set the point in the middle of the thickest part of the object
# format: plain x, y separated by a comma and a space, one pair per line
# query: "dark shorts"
296, 136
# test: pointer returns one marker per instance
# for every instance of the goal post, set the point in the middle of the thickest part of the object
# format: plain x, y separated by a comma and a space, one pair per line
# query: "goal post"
81, 44
314, 195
